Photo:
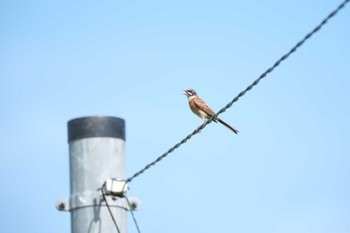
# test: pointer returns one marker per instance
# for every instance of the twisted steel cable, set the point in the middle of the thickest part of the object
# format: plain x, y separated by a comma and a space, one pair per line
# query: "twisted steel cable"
250, 87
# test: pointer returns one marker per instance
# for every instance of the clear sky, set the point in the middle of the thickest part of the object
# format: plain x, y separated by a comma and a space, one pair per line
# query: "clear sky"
288, 170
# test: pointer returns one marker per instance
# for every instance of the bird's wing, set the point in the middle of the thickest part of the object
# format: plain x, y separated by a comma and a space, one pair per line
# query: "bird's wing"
203, 106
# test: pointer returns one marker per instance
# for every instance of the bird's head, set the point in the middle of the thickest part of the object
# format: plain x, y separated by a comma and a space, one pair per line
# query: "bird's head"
190, 92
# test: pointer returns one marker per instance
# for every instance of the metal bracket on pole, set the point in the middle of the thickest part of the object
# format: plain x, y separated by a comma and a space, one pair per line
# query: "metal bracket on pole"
116, 187
62, 204
94, 199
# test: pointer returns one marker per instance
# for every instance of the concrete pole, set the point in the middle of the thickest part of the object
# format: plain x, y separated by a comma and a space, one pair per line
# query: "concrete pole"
96, 153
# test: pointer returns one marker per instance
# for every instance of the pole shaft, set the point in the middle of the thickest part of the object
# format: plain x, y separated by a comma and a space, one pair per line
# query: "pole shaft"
96, 149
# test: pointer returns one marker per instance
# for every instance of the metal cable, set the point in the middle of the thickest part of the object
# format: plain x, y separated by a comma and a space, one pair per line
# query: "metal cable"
103, 191
263, 75
132, 214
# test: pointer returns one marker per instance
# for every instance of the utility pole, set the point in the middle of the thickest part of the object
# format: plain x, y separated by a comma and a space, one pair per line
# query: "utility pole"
96, 153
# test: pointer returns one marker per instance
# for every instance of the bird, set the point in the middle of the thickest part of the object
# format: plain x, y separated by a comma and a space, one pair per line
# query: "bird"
201, 109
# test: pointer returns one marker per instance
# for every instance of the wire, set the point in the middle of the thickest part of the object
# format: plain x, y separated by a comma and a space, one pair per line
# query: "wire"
132, 214
103, 191
250, 87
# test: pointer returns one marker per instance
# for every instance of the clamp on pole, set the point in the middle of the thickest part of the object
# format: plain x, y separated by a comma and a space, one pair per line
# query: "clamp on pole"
116, 187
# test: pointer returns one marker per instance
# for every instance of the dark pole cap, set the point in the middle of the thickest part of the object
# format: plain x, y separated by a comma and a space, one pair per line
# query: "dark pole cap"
100, 126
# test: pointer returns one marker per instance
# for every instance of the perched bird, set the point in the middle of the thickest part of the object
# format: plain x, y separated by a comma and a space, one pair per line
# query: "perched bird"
201, 109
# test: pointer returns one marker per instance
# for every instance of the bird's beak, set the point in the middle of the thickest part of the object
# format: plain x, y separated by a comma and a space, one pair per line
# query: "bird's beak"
185, 93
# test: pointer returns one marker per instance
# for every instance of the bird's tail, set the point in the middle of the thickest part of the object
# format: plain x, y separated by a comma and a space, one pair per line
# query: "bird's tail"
227, 125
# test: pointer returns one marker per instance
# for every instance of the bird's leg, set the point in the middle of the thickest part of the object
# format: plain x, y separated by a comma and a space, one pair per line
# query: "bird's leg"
198, 128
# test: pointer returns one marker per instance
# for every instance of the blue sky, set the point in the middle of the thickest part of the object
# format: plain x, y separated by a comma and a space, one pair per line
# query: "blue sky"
286, 171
